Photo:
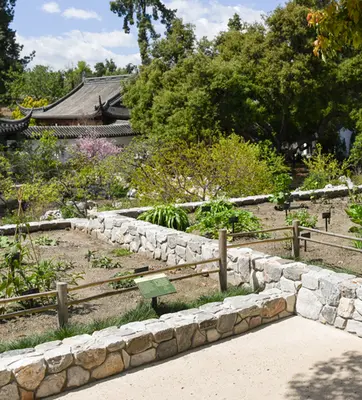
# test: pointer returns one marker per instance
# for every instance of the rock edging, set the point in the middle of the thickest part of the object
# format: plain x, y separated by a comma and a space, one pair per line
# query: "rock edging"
54, 367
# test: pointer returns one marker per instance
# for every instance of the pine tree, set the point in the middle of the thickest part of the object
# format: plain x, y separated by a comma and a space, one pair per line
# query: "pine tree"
9, 49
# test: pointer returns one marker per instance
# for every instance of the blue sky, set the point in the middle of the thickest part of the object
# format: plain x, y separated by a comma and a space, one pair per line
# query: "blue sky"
65, 31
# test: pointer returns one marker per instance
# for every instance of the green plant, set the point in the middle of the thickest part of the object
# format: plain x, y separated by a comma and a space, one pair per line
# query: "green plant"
281, 192
104, 262
354, 211
211, 222
46, 241
323, 169
167, 215
121, 252
213, 207
125, 283
305, 218
69, 212
5, 242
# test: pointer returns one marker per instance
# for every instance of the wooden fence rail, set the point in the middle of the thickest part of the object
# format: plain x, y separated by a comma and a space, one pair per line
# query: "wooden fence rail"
243, 234
62, 305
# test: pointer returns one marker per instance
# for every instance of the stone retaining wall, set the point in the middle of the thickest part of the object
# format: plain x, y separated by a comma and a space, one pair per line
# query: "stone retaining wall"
337, 191
38, 226
329, 297
54, 367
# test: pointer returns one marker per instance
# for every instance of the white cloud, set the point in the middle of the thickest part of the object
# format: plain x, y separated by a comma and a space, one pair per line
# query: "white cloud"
212, 17
78, 13
71, 47
52, 7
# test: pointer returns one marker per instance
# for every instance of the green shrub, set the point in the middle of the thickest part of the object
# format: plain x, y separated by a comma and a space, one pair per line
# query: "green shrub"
167, 215
323, 169
210, 222
214, 206
306, 219
281, 192
354, 211
126, 283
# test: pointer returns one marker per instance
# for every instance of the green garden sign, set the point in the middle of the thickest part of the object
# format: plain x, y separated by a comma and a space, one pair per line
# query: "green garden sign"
154, 286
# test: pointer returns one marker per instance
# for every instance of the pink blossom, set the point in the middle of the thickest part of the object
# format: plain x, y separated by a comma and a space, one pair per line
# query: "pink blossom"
92, 146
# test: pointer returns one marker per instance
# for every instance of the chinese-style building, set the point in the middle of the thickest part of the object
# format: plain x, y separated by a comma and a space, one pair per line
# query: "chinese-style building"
94, 107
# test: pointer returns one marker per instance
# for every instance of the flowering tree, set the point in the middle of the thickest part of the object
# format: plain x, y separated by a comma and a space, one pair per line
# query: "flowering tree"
95, 148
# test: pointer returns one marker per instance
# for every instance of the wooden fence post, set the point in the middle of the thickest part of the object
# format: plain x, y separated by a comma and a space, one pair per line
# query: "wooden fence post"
62, 299
223, 277
296, 242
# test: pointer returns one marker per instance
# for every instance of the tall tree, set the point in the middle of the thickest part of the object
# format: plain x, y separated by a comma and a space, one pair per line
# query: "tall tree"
261, 82
40, 82
144, 12
9, 48
235, 23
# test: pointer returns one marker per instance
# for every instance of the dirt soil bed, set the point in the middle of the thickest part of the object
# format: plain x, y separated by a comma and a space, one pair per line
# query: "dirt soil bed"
325, 256
72, 247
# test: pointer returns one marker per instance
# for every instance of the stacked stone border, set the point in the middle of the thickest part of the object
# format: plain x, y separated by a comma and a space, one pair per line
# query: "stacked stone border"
329, 297
287, 287
58, 366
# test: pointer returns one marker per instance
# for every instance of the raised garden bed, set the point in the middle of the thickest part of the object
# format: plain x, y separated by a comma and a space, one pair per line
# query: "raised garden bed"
72, 248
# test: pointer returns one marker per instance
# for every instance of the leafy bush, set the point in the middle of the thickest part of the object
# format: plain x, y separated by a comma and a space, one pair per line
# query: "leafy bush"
281, 193
354, 211
210, 222
323, 169
305, 218
213, 207
21, 272
181, 172
167, 215
126, 283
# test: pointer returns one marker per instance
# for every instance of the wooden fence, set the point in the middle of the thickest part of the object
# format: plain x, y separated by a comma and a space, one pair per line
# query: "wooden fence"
63, 290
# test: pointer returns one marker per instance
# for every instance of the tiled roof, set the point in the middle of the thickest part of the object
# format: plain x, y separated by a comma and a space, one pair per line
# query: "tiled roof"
118, 129
84, 100
14, 125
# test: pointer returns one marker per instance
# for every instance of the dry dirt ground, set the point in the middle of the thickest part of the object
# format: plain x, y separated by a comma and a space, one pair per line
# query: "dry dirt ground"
72, 247
316, 254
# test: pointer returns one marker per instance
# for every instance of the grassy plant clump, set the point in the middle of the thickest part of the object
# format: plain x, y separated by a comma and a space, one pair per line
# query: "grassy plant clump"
167, 215
141, 312
305, 218
121, 252
219, 216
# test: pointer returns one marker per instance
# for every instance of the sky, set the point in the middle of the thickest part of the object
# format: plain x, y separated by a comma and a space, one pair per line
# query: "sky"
63, 32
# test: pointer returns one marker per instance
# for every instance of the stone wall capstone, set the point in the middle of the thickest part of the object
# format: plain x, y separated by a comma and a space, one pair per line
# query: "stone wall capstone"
58, 366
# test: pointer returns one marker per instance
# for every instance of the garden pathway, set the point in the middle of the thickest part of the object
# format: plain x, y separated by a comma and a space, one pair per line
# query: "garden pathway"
292, 359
